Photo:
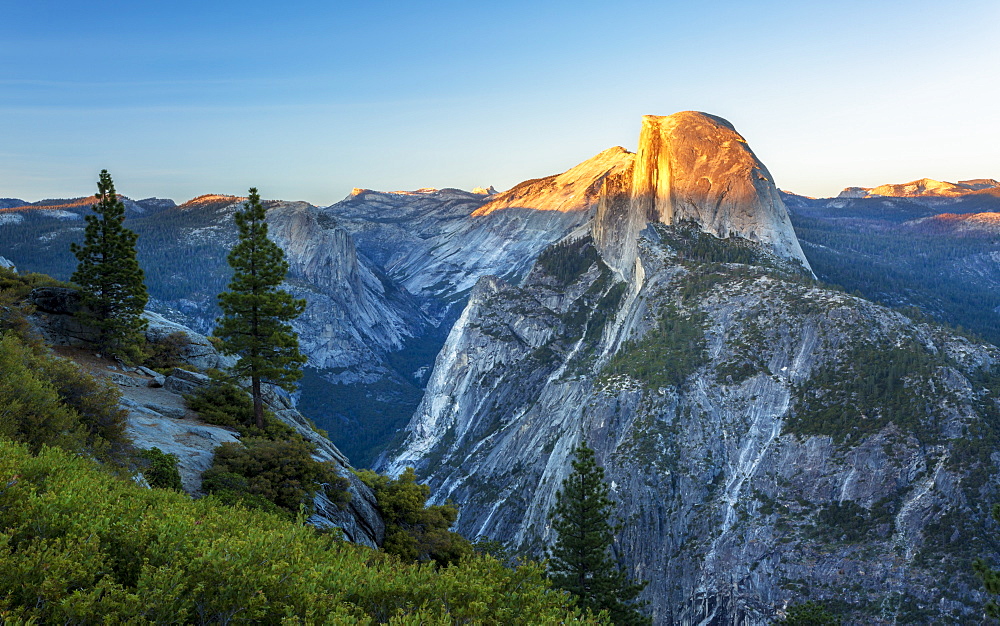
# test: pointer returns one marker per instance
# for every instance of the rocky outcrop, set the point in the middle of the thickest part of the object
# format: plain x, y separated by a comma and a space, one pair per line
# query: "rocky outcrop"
194, 348
57, 323
158, 415
693, 166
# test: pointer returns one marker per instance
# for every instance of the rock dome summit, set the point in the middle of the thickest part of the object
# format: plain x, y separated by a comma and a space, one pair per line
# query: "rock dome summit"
693, 166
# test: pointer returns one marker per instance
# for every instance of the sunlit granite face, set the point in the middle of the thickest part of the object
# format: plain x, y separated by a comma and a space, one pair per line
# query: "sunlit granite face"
694, 166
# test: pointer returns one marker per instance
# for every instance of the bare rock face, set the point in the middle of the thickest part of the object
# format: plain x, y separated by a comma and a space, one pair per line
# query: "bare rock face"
438, 243
693, 166
159, 418
353, 317
576, 189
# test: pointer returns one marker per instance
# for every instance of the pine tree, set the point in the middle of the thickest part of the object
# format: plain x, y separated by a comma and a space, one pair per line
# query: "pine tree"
580, 562
256, 312
113, 293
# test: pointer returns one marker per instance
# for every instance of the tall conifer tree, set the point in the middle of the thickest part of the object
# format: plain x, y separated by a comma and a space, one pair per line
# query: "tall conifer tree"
256, 312
113, 293
580, 562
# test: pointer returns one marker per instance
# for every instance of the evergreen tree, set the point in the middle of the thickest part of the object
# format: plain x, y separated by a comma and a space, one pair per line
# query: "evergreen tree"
113, 293
990, 577
580, 562
256, 313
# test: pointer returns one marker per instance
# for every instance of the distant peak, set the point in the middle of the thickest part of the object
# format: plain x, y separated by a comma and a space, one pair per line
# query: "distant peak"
211, 198
688, 118
922, 187
485, 191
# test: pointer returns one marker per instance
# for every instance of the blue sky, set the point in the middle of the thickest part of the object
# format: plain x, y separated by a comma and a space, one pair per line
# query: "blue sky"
306, 100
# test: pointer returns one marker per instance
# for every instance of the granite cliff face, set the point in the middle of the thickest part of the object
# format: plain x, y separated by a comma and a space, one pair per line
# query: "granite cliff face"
353, 317
733, 409
696, 167
438, 243
768, 441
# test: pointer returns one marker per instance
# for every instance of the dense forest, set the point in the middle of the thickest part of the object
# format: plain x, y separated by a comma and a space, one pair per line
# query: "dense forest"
953, 279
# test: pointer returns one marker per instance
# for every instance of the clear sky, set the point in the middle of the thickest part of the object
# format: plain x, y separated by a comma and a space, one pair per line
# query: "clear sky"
306, 100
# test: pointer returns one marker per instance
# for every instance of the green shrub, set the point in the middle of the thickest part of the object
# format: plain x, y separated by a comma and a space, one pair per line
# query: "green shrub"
80, 546
160, 469
225, 404
414, 531
20, 285
282, 472
167, 352
667, 354
48, 401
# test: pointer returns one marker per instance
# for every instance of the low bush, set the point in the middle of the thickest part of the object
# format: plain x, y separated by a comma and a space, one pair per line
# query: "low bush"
414, 531
225, 404
282, 472
160, 469
167, 352
80, 546
49, 401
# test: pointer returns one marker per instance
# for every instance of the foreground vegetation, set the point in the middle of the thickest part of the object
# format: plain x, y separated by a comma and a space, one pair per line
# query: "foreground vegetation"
80, 545
81, 541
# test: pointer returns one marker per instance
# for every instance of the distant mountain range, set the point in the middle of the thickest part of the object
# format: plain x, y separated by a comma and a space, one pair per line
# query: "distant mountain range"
925, 188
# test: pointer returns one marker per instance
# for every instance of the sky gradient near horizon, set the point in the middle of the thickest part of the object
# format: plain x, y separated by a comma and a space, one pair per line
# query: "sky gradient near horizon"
307, 100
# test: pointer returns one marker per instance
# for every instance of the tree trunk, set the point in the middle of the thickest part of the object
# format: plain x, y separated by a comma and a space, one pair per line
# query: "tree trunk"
258, 402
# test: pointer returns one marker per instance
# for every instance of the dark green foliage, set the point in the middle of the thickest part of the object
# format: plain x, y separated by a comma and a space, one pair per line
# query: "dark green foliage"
495, 549
842, 521
870, 386
272, 469
18, 285
692, 243
78, 546
256, 312
113, 294
579, 561
160, 469
414, 531
14, 306
665, 355
567, 260
48, 401
225, 404
990, 577
166, 353
810, 614
282, 472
